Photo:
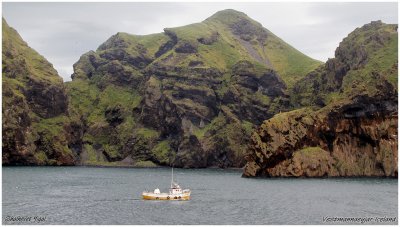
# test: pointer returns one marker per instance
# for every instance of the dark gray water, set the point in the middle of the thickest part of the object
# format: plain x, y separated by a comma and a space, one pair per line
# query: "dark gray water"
79, 195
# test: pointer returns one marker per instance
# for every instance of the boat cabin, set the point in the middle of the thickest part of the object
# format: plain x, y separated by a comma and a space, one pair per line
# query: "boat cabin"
175, 189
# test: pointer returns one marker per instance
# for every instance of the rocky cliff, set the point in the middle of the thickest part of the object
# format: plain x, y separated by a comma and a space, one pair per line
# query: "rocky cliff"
355, 131
34, 107
192, 96
188, 97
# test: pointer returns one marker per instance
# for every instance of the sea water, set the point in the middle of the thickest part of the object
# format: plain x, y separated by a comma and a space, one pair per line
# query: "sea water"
90, 195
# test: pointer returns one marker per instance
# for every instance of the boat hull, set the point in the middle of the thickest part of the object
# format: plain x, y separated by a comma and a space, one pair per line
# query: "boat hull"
152, 196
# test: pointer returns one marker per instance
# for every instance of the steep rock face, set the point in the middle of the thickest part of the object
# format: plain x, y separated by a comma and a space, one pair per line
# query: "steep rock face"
353, 139
34, 107
355, 133
187, 97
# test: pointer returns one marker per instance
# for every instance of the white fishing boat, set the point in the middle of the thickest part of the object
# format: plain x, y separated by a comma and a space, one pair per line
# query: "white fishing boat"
175, 192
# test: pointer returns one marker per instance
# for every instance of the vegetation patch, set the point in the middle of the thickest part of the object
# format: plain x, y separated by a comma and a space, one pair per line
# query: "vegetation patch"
145, 164
163, 153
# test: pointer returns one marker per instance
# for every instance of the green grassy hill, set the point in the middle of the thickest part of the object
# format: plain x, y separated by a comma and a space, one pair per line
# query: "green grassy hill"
346, 121
193, 95
200, 89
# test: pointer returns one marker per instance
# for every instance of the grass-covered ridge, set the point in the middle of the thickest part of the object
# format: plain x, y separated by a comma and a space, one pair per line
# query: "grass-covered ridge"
17, 50
366, 58
231, 45
34, 106
220, 41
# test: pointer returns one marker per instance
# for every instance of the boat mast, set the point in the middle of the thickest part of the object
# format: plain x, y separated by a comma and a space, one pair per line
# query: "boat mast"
172, 177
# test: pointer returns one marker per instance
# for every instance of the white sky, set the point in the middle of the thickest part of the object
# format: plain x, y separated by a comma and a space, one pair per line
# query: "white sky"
62, 32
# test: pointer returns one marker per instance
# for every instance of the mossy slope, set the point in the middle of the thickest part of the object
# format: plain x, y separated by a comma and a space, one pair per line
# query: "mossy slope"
34, 107
366, 57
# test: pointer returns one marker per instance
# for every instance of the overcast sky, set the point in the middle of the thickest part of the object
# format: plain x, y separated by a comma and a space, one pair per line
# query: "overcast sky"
62, 32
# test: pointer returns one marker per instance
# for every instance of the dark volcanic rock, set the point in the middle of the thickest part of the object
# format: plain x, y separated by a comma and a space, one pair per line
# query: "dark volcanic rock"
17, 147
190, 154
186, 47
164, 48
195, 63
160, 112
114, 115
246, 80
46, 100
247, 30
209, 40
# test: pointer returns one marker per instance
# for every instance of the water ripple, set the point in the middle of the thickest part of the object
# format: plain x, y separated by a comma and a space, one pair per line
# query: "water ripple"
82, 195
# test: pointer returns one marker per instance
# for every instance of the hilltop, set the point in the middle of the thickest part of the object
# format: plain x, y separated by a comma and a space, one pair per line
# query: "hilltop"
189, 96
347, 121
